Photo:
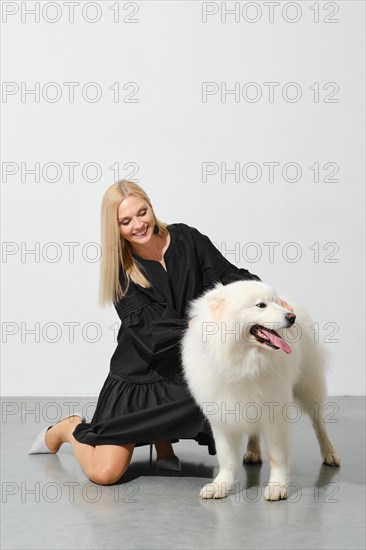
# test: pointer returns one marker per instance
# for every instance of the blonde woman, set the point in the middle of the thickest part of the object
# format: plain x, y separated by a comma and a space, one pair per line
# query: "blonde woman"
150, 270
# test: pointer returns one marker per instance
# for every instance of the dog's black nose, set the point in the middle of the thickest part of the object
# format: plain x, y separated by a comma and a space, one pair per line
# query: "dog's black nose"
291, 317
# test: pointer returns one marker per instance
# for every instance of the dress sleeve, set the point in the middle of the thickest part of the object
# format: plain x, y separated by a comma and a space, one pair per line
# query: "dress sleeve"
215, 267
154, 327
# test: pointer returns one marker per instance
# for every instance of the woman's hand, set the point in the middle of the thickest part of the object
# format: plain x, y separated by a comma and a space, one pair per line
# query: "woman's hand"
284, 304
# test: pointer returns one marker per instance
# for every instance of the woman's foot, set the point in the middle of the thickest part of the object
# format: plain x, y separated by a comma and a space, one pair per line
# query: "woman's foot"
61, 432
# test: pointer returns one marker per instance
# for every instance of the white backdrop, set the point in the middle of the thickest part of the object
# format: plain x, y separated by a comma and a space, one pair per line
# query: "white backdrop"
151, 101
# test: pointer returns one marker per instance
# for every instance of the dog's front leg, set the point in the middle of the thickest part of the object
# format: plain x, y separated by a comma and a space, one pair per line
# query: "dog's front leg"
277, 438
228, 447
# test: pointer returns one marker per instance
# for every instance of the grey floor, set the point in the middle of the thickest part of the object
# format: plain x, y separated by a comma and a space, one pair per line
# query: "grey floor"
48, 502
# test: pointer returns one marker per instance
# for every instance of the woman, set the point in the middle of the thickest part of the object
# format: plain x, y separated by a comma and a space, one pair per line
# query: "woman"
150, 271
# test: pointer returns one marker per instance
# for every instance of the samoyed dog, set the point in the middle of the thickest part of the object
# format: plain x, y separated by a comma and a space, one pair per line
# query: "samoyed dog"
246, 361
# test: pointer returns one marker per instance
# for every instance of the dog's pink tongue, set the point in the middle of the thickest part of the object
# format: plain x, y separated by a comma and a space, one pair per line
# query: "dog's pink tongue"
277, 341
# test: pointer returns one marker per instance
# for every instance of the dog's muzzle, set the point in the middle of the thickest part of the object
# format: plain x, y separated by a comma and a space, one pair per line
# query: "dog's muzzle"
270, 337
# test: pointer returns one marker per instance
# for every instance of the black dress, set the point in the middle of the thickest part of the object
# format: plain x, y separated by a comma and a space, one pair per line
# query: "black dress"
144, 397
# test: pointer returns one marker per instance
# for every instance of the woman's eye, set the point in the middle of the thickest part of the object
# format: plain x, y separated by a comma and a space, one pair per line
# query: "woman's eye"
142, 213
261, 304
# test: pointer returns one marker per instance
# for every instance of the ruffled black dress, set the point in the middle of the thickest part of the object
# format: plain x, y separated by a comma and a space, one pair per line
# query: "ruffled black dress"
144, 397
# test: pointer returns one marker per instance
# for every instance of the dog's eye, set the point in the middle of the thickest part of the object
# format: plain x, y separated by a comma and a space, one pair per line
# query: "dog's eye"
261, 304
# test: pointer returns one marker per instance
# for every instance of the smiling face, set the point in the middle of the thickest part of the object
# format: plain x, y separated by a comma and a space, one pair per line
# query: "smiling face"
136, 220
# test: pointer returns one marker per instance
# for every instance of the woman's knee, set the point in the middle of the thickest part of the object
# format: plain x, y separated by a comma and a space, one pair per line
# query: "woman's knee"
106, 476
109, 464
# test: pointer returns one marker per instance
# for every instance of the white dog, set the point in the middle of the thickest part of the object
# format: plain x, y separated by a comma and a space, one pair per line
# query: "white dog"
245, 377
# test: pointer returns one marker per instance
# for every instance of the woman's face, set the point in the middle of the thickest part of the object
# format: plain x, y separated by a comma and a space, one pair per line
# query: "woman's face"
135, 219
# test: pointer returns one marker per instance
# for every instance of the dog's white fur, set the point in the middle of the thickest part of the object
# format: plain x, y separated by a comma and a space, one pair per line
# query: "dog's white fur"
244, 386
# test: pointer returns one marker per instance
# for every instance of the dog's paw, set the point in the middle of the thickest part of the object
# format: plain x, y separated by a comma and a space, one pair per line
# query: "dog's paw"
214, 490
252, 457
331, 459
275, 491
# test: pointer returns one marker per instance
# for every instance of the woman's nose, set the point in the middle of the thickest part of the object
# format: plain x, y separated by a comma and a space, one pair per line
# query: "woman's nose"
138, 226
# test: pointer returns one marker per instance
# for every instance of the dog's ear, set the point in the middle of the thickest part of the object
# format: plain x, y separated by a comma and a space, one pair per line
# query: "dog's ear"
216, 304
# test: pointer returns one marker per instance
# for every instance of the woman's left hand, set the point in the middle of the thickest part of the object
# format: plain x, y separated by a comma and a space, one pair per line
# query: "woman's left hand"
285, 304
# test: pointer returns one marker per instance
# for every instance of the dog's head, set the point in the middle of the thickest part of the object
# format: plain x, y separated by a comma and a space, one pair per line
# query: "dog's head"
242, 313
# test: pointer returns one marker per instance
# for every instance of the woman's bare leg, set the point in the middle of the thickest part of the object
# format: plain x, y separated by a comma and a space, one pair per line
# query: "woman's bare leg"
103, 464
164, 449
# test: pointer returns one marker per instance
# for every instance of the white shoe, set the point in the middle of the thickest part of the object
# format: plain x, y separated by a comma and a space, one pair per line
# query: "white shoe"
39, 444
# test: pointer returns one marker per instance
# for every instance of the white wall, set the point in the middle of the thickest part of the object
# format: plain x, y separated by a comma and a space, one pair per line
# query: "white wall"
168, 133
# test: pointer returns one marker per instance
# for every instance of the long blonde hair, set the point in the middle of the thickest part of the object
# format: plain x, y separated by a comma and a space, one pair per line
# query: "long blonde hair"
116, 250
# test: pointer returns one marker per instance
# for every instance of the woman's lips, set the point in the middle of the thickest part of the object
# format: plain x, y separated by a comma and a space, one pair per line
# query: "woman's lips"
141, 234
